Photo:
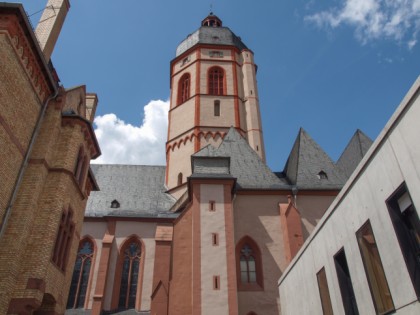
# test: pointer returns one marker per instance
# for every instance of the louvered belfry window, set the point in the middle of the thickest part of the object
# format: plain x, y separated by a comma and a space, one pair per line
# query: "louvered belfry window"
184, 88
216, 81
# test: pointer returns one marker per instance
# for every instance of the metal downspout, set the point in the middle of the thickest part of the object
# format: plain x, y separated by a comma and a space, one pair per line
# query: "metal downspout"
24, 165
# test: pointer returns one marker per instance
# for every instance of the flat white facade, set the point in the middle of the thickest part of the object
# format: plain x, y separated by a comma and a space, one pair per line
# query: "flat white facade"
393, 159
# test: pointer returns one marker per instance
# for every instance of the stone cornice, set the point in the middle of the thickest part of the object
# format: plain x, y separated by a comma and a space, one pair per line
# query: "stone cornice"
87, 129
16, 27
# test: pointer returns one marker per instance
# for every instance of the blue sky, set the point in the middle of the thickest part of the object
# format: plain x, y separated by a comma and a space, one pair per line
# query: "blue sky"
327, 66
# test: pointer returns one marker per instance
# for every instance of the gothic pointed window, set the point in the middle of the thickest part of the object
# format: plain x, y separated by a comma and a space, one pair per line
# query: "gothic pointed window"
249, 266
184, 88
81, 275
216, 81
63, 240
129, 274
247, 263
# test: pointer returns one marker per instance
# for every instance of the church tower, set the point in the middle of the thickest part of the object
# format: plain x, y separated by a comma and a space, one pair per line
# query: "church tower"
213, 87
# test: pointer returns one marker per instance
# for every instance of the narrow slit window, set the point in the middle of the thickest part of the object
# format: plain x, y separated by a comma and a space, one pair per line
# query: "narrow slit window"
374, 270
215, 239
216, 282
212, 205
346, 286
179, 179
324, 292
216, 108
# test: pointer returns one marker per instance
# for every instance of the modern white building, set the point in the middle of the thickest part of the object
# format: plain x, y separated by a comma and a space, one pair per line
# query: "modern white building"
364, 255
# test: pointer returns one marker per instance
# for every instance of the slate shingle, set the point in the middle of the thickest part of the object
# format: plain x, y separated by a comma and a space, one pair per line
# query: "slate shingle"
139, 189
357, 147
245, 164
306, 160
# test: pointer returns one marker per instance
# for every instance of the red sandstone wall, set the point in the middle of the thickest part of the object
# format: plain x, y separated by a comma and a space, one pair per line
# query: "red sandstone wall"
181, 281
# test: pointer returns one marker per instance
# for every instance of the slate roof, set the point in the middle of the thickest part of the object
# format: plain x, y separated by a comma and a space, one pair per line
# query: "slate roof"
245, 164
357, 147
306, 160
139, 190
210, 35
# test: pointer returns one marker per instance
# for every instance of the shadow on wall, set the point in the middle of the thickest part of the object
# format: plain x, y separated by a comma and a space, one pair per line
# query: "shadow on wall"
311, 209
258, 217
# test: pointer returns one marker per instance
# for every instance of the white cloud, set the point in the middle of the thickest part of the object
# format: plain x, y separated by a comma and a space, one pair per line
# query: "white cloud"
123, 143
374, 19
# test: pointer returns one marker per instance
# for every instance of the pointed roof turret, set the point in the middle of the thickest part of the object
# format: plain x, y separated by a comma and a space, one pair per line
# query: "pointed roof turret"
355, 150
309, 167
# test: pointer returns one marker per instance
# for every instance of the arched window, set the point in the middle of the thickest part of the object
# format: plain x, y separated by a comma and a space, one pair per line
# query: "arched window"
129, 274
81, 274
184, 88
63, 240
216, 81
249, 265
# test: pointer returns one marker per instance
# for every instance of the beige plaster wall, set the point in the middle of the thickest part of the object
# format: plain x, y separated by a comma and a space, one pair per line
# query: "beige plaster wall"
311, 209
213, 258
257, 216
181, 65
205, 54
146, 232
182, 118
124, 229
214, 141
227, 111
179, 161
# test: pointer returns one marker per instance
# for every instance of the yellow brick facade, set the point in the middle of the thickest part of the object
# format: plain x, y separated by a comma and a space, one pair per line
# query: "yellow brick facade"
30, 280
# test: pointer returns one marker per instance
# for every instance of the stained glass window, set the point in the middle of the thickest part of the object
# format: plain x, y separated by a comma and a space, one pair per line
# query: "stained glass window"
247, 264
129, 275
81, 273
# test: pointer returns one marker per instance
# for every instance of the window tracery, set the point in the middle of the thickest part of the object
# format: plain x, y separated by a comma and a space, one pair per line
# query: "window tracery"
81, 275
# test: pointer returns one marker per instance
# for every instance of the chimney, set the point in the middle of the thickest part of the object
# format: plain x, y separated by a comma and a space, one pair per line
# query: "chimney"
50, 24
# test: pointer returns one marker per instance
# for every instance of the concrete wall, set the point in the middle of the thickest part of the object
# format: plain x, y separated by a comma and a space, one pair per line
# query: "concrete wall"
393, 159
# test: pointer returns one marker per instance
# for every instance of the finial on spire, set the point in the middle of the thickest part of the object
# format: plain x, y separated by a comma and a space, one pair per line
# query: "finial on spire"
211, 9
